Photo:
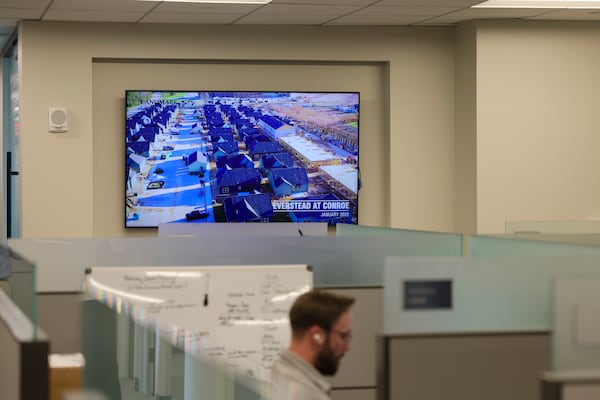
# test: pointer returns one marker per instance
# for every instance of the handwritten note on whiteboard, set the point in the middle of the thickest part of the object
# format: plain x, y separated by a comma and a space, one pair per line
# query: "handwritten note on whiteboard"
233, 315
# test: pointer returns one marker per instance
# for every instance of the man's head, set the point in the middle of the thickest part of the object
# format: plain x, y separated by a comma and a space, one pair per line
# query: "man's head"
321, 328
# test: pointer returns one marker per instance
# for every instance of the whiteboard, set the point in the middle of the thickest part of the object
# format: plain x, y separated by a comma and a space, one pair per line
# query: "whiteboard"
236, 316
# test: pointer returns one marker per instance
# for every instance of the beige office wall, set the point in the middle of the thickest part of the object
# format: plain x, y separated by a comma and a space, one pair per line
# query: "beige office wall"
465, 196
111, 79
538, 91
408, 172
421, 142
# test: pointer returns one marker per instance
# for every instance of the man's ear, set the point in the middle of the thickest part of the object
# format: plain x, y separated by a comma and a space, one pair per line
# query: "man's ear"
316, 334
318, 338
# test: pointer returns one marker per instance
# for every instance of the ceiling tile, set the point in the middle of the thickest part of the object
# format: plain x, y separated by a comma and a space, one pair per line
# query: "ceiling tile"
189, 18
569, 15
21, 13
376, 20
289, 19
95, 16
326, 2
200, 8
434, 3
103, 5
484, 13
293, 10
25, 3
403, 11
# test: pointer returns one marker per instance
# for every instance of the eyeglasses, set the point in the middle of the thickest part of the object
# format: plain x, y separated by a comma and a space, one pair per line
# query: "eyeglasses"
345, 336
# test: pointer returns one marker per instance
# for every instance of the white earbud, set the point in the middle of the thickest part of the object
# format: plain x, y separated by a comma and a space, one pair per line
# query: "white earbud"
318, 338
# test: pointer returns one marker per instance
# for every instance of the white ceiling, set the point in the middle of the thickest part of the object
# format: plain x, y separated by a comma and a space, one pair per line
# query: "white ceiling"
281, 12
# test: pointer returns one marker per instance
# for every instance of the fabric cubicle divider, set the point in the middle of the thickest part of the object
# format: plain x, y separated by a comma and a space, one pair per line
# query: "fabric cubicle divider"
490, 297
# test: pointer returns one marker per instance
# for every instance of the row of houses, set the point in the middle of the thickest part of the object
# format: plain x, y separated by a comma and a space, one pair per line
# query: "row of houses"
240, 175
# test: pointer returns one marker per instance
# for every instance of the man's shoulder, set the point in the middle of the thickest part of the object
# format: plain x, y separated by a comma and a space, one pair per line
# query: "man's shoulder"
291, 381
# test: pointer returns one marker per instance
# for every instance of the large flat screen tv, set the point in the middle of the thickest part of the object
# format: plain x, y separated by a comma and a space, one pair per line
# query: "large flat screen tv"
200, 156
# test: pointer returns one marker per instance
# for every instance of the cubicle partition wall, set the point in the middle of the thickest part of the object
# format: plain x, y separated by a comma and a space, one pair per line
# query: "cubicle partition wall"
420, 242
24, 360
463, 366
534, 245
575, 373
469, 318
349, 264
22, 287
176, 229
226, 324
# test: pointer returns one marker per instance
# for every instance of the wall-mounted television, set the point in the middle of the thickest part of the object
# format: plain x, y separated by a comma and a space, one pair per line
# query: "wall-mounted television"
207, 156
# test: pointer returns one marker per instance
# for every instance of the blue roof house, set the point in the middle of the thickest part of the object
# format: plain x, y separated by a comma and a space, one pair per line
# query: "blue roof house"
250, 208
276, 160
250, 139
286, 181
136, 162
225, 148
275, 127
220, 138
234, 181
235, 161
141, 148
196, 163
257, 149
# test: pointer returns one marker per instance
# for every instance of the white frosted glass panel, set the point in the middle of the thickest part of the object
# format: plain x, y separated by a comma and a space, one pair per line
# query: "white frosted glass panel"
489, 246
428, 243
159, 370
576, 339
337, 261
499, 294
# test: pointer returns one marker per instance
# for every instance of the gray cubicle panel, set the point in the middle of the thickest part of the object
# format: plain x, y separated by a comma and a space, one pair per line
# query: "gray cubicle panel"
473, 366
571, 385
24, 361
357, 378
22, 284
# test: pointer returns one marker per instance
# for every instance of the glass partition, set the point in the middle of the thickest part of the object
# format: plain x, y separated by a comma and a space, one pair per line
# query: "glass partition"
337, 261
20, 287
24, 361
576, 326
423, 242
494, 246
189, 332
127, 359
452, 294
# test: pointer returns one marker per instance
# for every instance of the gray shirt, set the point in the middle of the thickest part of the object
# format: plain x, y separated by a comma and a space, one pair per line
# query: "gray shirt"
292, 378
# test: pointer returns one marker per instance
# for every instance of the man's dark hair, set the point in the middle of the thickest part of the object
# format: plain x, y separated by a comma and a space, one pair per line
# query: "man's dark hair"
317, 307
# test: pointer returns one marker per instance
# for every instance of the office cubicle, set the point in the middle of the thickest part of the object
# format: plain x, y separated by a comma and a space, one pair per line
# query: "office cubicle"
24, 348
469, 318
532, 245
350, 264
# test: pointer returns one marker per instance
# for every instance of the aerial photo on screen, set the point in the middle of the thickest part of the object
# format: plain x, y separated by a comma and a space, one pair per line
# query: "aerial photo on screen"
241, 157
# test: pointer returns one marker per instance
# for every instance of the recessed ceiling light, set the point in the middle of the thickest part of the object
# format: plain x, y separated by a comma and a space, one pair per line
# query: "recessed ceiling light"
585, 4
213, 1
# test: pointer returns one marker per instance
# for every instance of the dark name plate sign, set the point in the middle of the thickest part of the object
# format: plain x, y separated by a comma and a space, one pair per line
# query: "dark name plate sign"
427, 295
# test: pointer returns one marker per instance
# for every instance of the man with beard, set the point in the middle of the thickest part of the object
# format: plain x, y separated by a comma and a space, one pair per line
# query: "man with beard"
321, 333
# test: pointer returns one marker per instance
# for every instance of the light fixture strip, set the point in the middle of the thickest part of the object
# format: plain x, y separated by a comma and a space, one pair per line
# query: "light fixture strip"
262, 2
556, 4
